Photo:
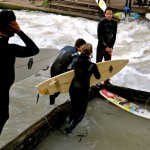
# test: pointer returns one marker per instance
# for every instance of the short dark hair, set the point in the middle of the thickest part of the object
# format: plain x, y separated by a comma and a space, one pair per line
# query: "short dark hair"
79, 42
108, 8
6, 16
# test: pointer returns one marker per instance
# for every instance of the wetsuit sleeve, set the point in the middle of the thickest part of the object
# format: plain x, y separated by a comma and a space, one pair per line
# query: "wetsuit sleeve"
63, 61
100, 34
114, 35
29, 49
74, 60
96, 72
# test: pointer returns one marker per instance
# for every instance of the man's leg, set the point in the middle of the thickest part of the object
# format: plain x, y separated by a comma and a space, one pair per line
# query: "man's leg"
52, 98
4, 109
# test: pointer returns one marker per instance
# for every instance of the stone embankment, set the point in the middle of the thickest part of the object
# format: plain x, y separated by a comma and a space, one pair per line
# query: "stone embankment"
77, 8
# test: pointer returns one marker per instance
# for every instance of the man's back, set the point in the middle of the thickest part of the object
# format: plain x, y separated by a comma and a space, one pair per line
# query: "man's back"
64, 59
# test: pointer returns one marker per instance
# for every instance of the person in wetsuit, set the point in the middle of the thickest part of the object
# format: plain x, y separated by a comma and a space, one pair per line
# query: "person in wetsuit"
9, 52
107, 1
139, 3
79, 88
127, 8
64, 60
106, 33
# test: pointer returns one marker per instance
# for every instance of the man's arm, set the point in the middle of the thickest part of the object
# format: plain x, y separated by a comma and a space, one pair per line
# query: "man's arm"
100, 34
114, 35
22, 51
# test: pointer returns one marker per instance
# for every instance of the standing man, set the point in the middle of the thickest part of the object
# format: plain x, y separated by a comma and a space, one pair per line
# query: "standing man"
64, 61
106, 33
139, 3
107, 1
9, 52
145, 2
127, 8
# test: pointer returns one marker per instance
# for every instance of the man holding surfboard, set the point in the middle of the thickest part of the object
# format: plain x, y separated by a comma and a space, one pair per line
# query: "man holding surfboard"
64, 60
9, 52
79, 88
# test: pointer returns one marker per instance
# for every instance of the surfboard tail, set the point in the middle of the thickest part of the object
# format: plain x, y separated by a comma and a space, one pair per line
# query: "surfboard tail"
102, 5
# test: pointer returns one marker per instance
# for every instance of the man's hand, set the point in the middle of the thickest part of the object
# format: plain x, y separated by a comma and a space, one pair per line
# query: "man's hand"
13, 27
108, 50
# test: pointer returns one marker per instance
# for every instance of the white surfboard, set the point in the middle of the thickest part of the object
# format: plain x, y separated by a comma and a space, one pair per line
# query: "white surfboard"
26, 67
101, 4
61, 83
147, 16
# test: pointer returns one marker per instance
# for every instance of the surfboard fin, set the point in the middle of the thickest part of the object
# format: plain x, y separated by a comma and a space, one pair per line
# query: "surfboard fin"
37, 98
53, 82
46, 90
43, 91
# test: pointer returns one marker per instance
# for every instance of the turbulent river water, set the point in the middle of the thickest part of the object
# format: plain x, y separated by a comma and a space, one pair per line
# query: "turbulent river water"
56, 31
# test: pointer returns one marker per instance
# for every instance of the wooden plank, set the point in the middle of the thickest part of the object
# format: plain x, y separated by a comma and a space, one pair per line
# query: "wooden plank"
131, 94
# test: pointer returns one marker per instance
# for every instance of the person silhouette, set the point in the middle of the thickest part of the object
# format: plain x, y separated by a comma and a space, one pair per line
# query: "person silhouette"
8, 28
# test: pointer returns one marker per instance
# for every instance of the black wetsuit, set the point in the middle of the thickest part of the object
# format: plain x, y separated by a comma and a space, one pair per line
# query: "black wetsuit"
139, 2
128, 2
63, 60
61, 64
106, 33
9, 52
79, 89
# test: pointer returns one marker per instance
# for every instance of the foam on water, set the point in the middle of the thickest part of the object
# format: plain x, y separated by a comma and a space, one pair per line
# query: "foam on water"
49, 30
